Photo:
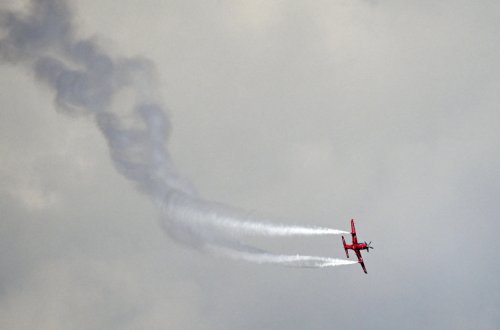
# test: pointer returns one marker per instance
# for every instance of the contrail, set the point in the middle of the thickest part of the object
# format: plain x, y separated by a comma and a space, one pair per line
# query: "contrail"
85, 81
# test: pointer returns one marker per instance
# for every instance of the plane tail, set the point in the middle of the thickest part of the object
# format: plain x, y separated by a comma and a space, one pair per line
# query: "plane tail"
345, 247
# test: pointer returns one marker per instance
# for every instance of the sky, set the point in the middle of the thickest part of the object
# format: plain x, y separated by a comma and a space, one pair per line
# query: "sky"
313, 112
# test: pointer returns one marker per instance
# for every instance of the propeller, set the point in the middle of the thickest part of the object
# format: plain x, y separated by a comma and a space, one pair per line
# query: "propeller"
368, 246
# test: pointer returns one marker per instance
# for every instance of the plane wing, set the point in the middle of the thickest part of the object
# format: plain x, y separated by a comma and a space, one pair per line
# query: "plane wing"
363, 266
360, 260
353, 233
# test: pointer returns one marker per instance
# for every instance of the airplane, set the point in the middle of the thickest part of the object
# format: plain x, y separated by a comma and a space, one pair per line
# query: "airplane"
356, 247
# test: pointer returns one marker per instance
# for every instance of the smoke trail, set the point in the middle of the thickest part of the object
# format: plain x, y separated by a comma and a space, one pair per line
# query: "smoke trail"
298, 261
230, 220
85, 80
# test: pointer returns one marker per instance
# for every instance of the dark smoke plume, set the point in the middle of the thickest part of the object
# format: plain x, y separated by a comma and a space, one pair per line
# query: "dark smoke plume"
85, 81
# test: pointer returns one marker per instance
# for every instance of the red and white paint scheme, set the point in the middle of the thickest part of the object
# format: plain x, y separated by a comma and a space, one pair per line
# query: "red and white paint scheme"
356, 247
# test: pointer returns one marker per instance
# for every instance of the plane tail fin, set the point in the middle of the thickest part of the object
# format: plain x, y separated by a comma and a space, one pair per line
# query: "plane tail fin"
345, 247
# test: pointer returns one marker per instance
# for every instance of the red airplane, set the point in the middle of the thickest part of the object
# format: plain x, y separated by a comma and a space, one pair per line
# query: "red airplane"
356, 247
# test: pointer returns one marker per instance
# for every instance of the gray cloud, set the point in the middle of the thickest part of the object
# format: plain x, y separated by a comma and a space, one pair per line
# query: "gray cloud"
319, 112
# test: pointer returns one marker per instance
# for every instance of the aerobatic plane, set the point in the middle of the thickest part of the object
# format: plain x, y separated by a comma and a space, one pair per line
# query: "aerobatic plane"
356, 247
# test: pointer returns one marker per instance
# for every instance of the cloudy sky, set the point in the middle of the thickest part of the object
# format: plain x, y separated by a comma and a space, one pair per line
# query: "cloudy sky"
315, 112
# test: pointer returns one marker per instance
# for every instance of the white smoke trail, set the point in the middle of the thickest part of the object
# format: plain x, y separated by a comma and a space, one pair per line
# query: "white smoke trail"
298, 261
223, 218
85, 80
269, 229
